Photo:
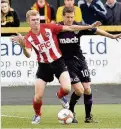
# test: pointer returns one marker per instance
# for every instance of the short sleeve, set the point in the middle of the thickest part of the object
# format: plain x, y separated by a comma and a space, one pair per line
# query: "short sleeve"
55, 28
27, 43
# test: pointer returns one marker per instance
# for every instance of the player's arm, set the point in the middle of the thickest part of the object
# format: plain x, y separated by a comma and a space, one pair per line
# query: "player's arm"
21, 40
80, 27
106, 34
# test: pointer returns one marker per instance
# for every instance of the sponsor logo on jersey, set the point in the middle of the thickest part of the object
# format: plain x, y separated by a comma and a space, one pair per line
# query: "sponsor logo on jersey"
47, 34
43, 47
69, 40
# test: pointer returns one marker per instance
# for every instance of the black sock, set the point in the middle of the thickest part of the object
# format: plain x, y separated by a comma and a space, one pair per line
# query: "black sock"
88, 104
73, 101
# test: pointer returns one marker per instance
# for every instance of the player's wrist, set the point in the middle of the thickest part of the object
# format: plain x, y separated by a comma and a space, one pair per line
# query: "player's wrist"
111, 36
90, 26
24, 47
21, 40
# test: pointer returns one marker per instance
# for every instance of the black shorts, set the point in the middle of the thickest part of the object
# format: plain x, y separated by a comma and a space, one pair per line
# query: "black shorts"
78, 70
46, 72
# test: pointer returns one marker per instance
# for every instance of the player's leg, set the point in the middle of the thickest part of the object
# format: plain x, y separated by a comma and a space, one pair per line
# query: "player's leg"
65, 89
87, 100
85, 79
76, 84
60, 70
65, 82
37, 101
84, 76
78, 92
43, 76
88, 103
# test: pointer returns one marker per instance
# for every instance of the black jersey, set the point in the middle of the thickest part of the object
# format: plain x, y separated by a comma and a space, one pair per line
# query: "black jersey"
69, 42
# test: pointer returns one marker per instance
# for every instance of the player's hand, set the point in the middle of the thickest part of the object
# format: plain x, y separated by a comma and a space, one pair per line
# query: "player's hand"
19, 38
96, 24
117, 36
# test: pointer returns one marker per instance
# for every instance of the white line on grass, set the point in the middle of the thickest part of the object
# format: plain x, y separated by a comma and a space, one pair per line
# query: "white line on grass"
20, 117
64, 128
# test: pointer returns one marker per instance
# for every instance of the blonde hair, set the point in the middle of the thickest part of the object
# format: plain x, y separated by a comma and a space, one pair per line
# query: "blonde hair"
31, 13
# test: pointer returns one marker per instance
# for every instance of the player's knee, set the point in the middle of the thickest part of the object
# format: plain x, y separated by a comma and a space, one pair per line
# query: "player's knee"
87, 91
79, 92
37, 98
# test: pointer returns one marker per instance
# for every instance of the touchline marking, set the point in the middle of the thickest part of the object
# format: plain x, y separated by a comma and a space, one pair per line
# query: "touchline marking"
63, 128
20, 117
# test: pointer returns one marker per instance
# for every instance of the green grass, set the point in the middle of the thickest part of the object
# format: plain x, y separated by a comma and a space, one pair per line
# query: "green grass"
23, 24
109, 116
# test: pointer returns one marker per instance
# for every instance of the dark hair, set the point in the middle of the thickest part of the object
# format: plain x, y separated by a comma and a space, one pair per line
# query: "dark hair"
68, 10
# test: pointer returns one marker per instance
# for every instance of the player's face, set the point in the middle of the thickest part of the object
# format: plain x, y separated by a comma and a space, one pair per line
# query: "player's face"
4, 7
68, 18
34, 21
110, 1
69, 3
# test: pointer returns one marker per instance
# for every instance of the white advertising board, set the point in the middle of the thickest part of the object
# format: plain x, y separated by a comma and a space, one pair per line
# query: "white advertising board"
102, 54
16, 69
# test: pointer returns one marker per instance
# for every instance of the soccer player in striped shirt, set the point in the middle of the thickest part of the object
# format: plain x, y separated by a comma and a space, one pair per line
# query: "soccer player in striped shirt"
43, 39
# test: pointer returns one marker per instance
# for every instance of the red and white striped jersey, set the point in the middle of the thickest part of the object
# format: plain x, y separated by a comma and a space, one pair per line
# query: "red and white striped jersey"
45, 43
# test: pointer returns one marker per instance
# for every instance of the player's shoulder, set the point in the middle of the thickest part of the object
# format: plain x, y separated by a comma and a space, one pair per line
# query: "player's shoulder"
28, 34
51, 26
47, 25
74, 23
43, 24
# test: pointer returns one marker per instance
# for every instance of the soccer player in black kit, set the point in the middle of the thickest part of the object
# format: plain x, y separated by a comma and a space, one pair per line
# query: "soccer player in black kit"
80, 78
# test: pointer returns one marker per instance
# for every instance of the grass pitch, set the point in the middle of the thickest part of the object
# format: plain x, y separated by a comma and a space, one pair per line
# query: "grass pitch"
109, 116
23, 24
